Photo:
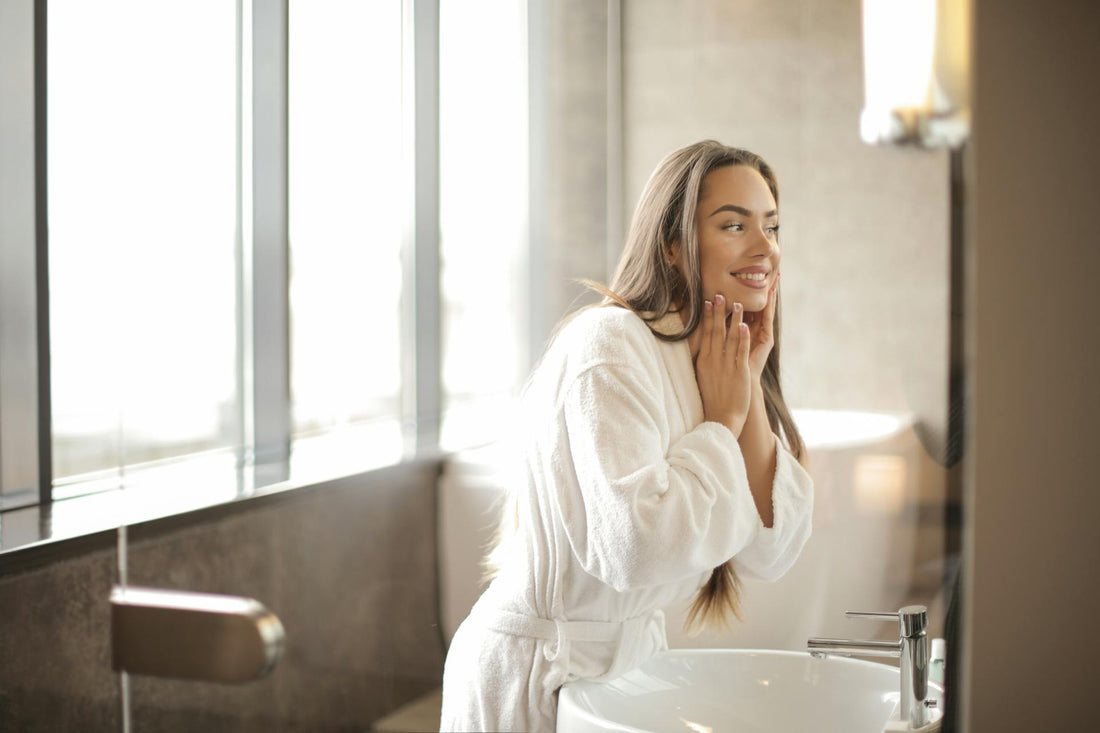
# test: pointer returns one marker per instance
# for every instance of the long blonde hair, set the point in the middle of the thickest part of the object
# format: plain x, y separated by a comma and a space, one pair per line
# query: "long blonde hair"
647, 283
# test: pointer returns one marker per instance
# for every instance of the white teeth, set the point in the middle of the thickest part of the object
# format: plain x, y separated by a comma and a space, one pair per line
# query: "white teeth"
751, 275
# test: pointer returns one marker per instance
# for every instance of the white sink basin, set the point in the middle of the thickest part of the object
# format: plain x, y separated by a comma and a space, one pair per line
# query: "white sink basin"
748, 691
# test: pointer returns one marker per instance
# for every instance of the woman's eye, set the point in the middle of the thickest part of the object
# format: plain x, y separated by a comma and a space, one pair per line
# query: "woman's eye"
735, 226
774, 229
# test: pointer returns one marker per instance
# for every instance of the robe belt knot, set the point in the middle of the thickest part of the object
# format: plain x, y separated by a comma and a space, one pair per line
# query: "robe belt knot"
560, 633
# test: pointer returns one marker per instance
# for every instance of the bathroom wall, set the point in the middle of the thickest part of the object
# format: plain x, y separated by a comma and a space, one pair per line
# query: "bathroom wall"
349, 567
864, 229
1031, 590
568, 119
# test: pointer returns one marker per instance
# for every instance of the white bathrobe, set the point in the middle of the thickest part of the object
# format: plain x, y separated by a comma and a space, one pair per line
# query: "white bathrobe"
627, 500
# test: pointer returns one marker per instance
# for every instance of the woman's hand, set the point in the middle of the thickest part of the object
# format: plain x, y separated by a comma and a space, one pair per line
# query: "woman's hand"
762, 333
722, 366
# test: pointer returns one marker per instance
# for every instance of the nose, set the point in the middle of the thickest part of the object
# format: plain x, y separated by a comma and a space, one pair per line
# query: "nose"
762, 245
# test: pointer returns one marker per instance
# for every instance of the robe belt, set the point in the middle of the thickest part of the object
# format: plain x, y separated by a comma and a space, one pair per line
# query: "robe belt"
627, 633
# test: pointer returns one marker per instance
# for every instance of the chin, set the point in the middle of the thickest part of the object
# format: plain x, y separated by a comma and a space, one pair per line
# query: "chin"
755, 305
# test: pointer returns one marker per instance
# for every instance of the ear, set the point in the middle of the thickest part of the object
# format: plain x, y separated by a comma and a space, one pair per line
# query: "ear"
673, 255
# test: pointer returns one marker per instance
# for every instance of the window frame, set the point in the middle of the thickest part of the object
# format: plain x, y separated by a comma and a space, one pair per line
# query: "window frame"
262, 257
25, 448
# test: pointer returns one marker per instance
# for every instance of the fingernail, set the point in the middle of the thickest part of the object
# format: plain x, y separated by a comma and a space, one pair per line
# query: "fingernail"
719, 299
737, 307
708, 306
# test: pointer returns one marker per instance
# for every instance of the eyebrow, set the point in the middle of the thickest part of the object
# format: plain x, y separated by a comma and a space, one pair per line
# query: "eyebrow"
741, 210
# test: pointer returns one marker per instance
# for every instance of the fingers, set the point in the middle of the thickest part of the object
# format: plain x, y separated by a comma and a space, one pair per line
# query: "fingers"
718, 330
773, 298
717, 339
738, 338
722, 366
743, 345
708, 328
733, 332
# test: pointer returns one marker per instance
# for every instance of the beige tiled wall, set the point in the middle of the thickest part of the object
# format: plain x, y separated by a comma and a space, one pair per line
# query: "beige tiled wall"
865, 229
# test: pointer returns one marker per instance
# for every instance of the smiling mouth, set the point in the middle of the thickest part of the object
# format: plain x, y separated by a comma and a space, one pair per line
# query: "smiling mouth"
752, 280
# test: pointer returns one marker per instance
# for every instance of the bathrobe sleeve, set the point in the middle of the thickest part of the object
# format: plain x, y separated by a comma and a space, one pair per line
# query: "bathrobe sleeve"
638, 511
775, 548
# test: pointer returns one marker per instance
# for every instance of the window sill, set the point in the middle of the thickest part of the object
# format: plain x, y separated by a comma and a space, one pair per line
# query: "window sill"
200, 489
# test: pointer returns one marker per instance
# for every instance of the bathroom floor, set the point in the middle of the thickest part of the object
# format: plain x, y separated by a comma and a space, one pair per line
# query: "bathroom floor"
419, 716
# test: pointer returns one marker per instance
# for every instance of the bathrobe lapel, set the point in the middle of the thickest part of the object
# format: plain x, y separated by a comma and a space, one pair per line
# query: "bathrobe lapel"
681, 372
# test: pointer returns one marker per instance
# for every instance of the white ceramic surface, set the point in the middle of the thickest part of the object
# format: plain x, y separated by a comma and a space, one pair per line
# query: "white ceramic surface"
727, 690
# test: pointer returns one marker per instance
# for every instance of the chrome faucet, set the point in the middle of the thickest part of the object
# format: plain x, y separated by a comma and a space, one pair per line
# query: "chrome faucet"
912, 647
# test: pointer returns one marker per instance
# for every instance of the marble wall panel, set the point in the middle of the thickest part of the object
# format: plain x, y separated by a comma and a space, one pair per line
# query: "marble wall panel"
349, 569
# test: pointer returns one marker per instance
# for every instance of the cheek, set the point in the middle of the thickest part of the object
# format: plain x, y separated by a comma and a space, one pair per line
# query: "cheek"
714, 275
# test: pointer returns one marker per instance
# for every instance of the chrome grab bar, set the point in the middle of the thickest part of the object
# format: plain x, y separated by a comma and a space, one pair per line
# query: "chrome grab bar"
199, 636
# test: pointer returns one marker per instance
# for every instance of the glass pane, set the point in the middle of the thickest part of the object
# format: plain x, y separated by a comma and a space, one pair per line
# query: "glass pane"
142, 222
345, 214
483, 214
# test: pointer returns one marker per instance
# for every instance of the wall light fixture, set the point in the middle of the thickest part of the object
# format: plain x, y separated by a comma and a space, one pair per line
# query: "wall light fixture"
915, 61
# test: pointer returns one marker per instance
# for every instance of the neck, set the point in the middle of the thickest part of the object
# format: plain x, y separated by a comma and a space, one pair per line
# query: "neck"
695, 338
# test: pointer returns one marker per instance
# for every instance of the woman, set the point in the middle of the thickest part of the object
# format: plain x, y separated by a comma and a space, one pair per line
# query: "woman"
652, 467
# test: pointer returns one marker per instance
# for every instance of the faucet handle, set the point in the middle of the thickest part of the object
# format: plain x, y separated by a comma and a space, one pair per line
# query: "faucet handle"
881, 615
913, 620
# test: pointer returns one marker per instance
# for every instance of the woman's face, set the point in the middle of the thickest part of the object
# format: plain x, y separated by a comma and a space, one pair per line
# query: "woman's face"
738, 229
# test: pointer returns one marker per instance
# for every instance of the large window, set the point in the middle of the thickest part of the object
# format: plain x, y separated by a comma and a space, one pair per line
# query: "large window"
142, 222
171, 129
346, 199
483, 215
